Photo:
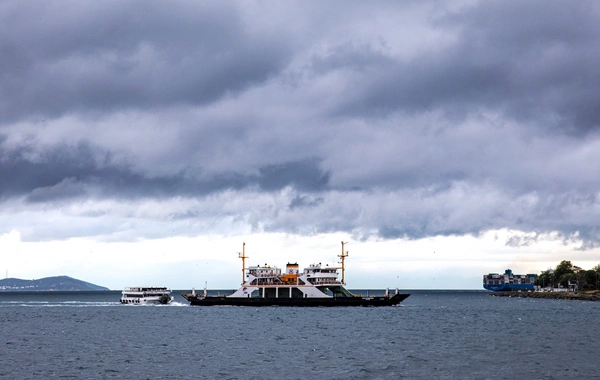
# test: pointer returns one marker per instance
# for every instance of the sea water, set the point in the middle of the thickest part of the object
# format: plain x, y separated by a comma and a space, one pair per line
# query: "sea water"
433, 334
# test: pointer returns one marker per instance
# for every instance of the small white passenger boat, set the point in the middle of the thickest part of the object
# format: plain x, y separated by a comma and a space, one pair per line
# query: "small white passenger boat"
146, 295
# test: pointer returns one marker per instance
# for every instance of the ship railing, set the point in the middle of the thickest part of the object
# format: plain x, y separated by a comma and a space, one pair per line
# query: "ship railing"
326, 282
264, 275
270, 282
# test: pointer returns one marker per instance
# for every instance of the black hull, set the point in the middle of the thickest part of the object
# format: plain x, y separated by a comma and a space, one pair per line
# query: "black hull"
196, 300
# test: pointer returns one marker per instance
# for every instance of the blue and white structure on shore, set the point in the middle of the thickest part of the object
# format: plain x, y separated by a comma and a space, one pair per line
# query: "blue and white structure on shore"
509, 281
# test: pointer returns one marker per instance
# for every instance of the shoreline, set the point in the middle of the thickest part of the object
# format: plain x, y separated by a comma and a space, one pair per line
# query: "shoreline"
593, 297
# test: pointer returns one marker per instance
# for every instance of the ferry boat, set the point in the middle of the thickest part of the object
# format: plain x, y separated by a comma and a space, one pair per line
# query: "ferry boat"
146, 295
316, 285
509, 281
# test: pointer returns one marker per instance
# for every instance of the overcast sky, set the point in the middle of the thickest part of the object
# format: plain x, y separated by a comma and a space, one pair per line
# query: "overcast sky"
145, 141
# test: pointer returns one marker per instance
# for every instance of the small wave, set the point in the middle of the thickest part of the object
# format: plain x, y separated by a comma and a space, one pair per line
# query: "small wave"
58, 304
178, 304
155, 304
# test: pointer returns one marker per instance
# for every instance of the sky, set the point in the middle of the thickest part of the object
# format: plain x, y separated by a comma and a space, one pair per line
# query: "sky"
142, 143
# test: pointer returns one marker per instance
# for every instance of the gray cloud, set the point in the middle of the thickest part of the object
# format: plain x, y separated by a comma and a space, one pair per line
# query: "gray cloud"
528, 61
98, 58
304, 175
443, 118
305, 201
65, 172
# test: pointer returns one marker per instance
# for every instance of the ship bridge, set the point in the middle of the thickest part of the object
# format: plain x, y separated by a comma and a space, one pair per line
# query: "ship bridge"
318, 274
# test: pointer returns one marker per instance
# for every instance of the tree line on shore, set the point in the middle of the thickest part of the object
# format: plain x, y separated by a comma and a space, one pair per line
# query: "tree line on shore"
566, 273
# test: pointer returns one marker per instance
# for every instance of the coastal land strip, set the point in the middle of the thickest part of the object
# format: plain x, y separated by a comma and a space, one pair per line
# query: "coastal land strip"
577, 296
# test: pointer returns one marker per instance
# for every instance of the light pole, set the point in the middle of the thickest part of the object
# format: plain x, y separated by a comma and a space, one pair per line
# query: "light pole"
343, 256
242, 255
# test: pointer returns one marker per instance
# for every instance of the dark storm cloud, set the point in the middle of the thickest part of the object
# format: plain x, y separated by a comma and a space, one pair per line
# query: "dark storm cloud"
305, 201
304, 175
129, 55
532, 60
67, 172
412, 231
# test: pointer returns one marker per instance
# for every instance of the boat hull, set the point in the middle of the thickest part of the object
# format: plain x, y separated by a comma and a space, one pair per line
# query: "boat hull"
508, 287
147, 301
199, 300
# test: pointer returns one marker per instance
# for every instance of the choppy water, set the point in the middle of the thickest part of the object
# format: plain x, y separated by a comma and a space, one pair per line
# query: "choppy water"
435, 334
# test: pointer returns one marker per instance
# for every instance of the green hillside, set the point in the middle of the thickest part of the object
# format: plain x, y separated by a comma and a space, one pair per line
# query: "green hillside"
56, 283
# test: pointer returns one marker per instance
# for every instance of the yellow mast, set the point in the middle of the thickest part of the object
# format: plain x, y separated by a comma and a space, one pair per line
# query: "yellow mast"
343, 256
243, 256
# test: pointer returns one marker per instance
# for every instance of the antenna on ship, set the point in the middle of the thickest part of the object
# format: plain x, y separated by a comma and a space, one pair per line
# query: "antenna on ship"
343, 256
242, 255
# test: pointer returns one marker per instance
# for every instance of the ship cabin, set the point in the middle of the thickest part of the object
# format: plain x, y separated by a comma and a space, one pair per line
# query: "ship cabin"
291, 274
153, 289
265, 275
318, 274
264, 271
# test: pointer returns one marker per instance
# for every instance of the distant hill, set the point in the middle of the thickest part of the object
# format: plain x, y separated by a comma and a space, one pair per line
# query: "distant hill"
57, 283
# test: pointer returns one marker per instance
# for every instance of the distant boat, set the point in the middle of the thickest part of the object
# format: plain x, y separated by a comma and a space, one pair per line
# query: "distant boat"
146, 295
509, 281
316, 285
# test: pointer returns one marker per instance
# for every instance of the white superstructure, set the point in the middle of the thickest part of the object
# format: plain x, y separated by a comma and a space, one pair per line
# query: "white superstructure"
315, 285
270, 282
146, 295
316, 281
